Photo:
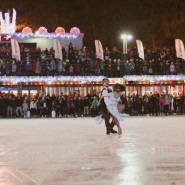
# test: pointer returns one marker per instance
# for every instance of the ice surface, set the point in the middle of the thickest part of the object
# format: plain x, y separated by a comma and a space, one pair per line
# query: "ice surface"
76, 151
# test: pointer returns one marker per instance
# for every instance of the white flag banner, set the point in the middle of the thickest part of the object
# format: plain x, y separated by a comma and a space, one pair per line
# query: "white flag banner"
99, 50
179, 46
140, 49
15, 49
57, 48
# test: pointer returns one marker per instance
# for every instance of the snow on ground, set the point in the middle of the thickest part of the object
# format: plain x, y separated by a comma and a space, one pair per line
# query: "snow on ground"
76, 151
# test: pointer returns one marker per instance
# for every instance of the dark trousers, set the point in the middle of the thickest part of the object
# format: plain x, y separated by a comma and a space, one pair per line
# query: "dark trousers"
105, 114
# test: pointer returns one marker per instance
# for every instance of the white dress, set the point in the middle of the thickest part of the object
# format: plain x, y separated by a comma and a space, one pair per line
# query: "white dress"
111, 104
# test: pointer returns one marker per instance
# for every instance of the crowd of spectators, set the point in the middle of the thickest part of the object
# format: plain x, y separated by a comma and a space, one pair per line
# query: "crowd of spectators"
73, 105
155, 104
84, 62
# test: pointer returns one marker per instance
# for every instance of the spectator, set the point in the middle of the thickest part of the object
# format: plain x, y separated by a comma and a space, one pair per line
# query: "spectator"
167, 101
14, 68
71, 70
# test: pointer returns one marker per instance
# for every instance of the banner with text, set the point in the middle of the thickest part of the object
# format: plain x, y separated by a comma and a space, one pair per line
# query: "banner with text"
179, 46
99, 50
140, 49
58, 49
15, 49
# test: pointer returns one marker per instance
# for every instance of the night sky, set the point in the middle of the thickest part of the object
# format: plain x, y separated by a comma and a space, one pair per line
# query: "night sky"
156, 22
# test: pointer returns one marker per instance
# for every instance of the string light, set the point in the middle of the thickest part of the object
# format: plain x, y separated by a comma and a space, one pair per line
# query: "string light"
153, 77
17, 79
48, 35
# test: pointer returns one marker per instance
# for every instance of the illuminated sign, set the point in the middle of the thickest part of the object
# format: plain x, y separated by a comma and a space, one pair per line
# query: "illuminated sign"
5, 38
116, 80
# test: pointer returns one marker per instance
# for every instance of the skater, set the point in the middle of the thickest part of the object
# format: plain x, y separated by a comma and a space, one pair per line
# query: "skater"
112, 106
103, 108
108, 107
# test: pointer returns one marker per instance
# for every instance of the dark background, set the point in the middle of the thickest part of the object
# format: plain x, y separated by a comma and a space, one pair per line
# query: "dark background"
156, 22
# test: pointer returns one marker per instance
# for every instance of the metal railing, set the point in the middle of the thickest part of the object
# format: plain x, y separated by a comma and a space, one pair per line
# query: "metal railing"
88, 70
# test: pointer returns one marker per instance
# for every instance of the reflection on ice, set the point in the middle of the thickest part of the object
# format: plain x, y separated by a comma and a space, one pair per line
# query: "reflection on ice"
131, 172
9, 176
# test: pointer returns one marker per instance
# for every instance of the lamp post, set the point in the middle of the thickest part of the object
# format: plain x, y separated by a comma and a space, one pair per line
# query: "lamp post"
125, 38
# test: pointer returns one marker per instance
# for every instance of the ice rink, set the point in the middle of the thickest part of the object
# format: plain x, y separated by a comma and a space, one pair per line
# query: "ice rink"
76, 151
